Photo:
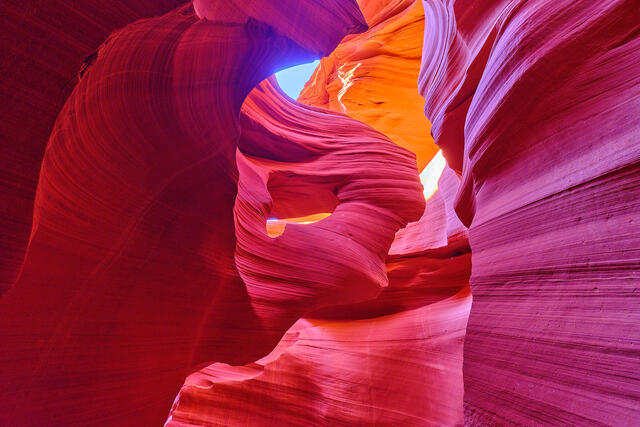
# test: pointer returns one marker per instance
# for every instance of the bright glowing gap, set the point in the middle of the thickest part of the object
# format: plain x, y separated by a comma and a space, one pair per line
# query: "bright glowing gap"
346, 77
431, 174
292, 80
275, 227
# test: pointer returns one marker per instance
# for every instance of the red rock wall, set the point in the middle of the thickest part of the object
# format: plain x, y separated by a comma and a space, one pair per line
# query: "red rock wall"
395, 359
129, 280
43, 45
537, 105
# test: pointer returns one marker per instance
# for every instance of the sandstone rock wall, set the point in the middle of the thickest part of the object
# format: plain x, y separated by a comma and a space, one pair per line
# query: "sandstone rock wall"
537, 105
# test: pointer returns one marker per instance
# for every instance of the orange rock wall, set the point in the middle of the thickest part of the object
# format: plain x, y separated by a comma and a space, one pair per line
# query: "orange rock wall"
372, 76
395, 358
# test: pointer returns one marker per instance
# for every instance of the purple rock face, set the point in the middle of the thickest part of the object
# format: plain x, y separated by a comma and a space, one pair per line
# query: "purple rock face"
191, 235
538, 107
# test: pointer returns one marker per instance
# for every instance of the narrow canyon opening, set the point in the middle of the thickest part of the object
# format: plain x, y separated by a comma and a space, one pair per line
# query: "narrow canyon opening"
435, 224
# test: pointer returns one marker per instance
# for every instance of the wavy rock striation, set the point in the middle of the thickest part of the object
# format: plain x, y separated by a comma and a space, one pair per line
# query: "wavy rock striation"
372, 76
396, 359
191, 221
400, 369
537, 105
296, 161
129, 281
42, 45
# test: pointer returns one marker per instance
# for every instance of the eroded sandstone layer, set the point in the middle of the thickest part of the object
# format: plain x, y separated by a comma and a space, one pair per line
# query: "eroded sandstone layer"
43, 45
189, 221
372, 76
397, 358
393, 360
129, 280
537, 104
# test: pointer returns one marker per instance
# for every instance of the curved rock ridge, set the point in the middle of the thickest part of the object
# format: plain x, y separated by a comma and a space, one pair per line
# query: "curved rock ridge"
439, 224
297, 160
392, 360
399, 369
42, 45
537, 104
310, 376
129, 280
428, 260
332, 19
372, 76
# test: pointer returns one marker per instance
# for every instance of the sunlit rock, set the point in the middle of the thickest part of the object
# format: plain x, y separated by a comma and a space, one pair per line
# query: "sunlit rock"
190, 235
372, 76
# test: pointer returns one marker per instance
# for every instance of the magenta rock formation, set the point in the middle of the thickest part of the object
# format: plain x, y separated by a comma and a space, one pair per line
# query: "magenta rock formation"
183, 244
393, 360
537, 104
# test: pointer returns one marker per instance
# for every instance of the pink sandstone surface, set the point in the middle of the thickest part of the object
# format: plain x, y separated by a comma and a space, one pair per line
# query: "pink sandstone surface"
393, 360
537, 105
129, 280
175, 229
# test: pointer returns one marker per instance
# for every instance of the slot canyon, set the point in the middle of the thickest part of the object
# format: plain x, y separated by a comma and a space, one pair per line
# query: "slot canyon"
443, 229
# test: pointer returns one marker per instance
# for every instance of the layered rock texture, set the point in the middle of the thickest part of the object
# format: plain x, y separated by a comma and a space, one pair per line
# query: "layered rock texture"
397, 358
43, 45
393, 360
191, 235
372, 76
131, 277
537, 105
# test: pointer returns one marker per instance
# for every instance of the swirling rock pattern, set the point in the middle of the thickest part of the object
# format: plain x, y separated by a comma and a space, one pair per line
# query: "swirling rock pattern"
129, 280
42, 45
399, 369
395, 359
144, 257
372, 76
537, 105
296, 161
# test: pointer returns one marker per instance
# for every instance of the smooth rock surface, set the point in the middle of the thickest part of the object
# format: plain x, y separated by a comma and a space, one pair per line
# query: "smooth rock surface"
295, 161
42, 46
395, 359
129, 281
537, 104
372, 76
399, 369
